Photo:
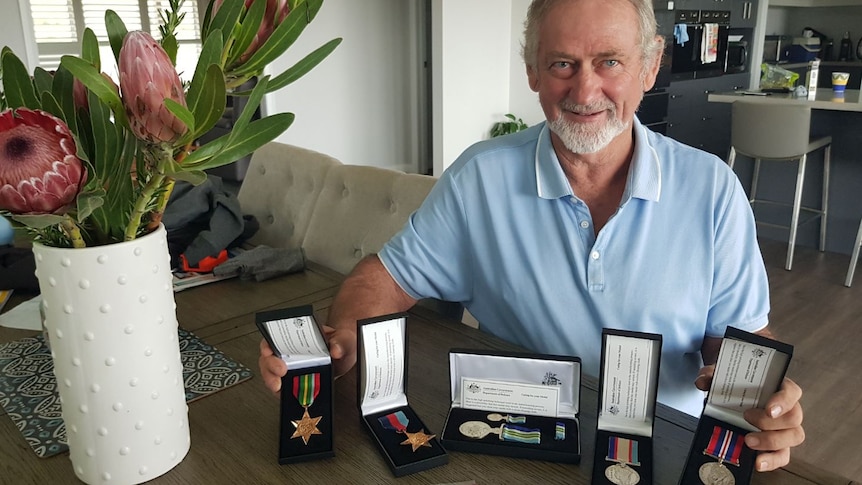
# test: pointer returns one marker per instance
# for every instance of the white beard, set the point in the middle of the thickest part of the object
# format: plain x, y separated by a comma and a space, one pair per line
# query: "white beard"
587, 137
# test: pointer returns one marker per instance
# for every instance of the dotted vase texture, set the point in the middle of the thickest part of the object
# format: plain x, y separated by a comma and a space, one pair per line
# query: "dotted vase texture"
111, 321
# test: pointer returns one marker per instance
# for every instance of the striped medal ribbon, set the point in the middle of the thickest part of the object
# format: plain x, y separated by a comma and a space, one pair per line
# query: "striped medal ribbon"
726, 447
623, 452
396, 421
520, 434
305, 389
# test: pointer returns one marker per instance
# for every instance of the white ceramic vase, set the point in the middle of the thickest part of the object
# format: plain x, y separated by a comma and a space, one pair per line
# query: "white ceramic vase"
111, 318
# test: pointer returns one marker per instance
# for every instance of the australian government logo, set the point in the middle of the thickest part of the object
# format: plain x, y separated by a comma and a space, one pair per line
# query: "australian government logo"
551, 379
474, 388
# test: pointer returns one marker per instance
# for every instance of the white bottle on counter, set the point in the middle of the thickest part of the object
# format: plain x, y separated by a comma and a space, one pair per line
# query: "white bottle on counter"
811, 78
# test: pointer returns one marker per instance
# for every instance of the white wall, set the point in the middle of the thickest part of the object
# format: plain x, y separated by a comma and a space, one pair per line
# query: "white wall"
354, 106
523, 102
16, 31
470, 44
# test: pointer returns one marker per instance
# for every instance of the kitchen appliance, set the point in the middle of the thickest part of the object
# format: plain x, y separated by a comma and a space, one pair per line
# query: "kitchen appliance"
690, 58
737, 55
775, 48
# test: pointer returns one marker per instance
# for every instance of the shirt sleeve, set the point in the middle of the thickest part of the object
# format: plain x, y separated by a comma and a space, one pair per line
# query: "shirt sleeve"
740, 289
430, 256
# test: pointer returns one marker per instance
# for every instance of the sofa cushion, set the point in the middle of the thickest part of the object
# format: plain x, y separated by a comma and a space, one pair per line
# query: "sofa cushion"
280, 189
359, 209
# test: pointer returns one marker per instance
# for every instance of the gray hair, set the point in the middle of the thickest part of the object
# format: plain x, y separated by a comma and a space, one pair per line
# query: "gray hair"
539, 8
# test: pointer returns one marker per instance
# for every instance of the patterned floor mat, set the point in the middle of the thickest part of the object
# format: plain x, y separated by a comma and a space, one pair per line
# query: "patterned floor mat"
28, 390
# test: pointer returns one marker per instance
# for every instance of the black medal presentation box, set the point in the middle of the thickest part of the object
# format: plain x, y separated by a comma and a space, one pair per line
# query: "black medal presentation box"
305, 432
402, 438
749, 371
519, 405
628, 387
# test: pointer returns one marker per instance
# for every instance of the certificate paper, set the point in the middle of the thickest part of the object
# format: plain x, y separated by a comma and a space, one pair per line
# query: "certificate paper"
740, 374
509, 397
384, 360
297, 339
627, 374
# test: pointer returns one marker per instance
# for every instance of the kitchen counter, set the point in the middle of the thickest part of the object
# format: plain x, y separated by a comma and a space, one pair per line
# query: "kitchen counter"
838, 119
825, 100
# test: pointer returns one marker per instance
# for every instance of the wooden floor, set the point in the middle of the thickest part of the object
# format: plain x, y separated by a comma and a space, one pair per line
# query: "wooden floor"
815, 312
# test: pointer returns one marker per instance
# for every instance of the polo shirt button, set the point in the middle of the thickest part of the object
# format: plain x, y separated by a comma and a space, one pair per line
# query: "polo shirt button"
594, 255
585, 224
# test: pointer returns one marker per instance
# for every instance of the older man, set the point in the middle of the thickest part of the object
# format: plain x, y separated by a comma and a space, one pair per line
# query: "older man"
586, 221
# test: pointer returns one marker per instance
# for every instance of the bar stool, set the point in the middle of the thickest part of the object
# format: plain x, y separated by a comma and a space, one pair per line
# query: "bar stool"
854, 258
780, 132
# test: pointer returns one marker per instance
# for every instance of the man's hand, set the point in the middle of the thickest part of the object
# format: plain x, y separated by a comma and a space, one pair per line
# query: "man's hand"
780, 422
342, 348
272, 368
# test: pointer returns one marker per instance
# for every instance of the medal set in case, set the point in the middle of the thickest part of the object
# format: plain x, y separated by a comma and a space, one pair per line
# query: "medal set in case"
749, 371
628, 387
403, 439
305, 432
519, 405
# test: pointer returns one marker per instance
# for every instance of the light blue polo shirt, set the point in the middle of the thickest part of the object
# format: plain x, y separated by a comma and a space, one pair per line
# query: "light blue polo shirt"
503, 233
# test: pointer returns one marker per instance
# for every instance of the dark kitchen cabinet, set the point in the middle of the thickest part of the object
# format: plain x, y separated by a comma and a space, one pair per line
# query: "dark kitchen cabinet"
693, 120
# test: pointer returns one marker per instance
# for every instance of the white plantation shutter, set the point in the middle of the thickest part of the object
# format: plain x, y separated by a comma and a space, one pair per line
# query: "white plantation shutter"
59, 27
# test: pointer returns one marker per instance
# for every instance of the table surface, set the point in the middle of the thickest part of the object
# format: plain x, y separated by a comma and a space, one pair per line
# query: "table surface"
235, 431
826, 99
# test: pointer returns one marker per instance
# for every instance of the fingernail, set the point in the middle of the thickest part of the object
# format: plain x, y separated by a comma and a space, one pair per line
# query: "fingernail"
752, 441
775, 411
761, 466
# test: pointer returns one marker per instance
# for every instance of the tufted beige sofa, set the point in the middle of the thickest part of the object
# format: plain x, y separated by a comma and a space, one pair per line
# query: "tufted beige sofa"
337, 213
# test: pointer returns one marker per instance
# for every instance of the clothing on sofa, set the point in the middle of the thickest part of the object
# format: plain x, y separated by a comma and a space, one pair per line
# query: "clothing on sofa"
204, 219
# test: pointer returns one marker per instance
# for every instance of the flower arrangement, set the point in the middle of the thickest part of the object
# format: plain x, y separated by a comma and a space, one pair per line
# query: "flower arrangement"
84, 162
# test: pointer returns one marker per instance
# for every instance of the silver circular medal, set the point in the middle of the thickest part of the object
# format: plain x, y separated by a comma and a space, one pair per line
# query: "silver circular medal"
715, 474
496, 417
475, 429
620, 474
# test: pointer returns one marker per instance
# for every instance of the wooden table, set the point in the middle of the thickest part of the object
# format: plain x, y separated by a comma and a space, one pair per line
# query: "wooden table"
234, 432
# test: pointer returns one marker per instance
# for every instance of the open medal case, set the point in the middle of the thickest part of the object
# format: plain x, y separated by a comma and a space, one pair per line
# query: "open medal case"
519, 405
628, 387
305, 431
749, 371
402, 438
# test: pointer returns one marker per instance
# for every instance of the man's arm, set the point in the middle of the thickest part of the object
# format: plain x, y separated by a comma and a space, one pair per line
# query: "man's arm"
780, 419
368, 291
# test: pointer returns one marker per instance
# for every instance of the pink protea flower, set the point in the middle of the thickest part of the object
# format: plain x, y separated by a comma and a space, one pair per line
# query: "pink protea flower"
276, 11
40, 172
147, 78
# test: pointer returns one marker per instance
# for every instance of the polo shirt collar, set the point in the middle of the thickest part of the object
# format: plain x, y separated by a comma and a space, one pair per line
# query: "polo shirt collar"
644, 180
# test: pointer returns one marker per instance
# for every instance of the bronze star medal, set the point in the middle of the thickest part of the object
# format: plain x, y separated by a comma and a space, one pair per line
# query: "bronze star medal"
305, 389
417, 439
397, 422
306, 427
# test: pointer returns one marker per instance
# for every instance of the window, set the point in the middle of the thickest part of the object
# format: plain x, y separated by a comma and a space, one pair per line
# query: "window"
59, 27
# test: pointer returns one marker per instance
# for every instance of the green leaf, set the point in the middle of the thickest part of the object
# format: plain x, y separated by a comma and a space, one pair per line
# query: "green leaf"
302, 67
210, 54
116, 32
170, 45
209, 106
40, 221
281, 39
88, 202
248, 110
250, 25
90, 49
194, 177
92, 78
17, 86
42, 80
226, 18
259, 133
205, 24
181, 112
50, 104
61, 88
